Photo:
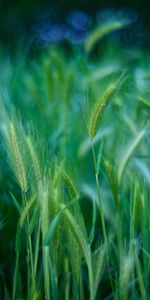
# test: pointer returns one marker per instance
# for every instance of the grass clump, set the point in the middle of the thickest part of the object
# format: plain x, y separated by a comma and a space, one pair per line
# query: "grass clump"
62, 239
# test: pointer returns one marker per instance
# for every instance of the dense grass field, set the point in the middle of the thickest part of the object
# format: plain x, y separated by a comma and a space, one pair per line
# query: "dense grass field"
75, 172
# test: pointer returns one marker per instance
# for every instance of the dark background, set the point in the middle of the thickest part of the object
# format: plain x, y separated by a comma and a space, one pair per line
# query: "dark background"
20, 18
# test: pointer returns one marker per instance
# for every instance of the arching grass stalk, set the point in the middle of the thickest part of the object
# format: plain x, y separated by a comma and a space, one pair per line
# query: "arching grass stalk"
37, 247
86, 250
44, 206
101, 206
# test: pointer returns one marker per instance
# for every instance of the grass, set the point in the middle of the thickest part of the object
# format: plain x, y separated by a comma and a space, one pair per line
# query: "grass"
74, 175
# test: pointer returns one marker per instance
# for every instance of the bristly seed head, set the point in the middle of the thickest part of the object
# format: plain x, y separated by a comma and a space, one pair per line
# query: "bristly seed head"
98, 110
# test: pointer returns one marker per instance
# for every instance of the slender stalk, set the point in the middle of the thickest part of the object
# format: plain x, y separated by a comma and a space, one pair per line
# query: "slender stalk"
91, 281
67, 288
46, 272
101, 209
29, 252
15, 276
81, 287
37, 248
99, 195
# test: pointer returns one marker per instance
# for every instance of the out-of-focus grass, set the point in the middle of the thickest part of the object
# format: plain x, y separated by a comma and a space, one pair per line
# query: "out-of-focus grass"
74, 176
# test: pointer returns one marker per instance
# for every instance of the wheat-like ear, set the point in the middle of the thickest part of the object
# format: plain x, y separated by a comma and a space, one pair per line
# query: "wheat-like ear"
69, 185
35, 161
100, 261
83, 245
75, 255
126, 268
99, 108
100, 32
78, 234
16, 156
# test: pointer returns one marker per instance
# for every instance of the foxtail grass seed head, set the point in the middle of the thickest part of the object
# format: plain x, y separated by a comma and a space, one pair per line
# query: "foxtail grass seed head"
16, 157
98, 110
69, 185
35, 161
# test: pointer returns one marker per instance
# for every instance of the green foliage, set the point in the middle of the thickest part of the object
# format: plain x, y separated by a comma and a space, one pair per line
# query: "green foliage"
81, 231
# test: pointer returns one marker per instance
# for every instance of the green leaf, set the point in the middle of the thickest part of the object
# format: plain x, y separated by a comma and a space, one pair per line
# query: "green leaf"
129, 152
34, 219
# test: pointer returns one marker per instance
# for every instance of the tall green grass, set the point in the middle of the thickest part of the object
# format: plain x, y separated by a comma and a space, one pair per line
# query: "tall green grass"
74, 177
